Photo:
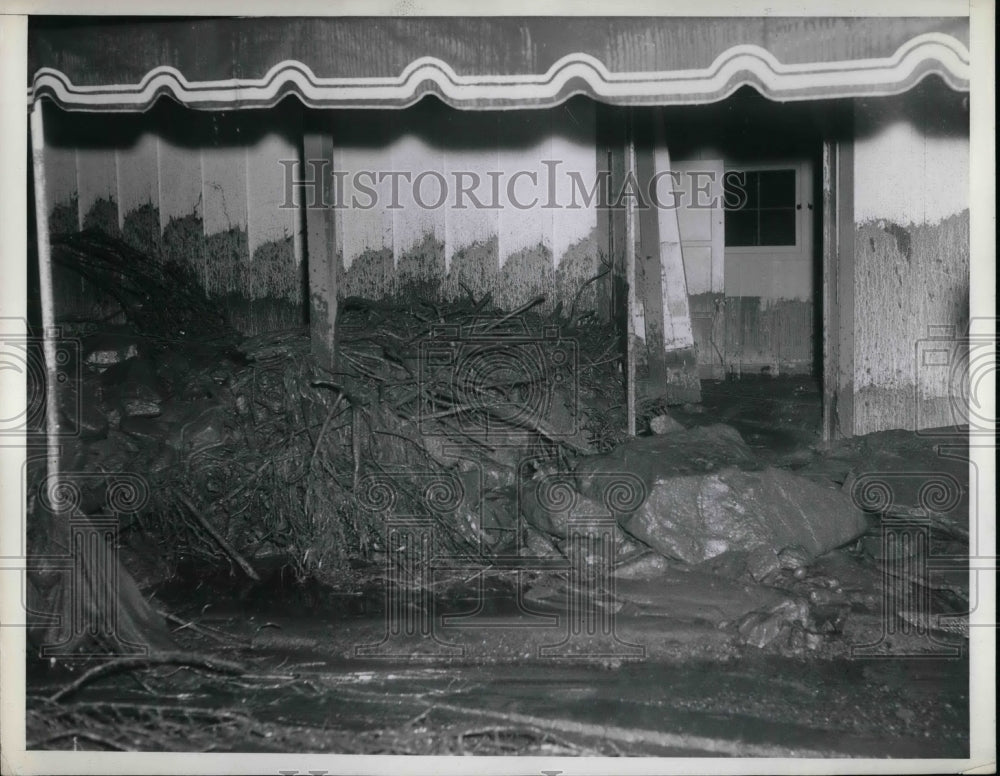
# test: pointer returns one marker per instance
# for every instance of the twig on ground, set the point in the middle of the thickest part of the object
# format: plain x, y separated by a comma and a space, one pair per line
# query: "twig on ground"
219, 538
182, 659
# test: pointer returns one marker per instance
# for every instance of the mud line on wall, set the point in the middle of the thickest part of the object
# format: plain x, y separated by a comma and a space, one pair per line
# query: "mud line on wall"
266, 292
912, 277
526, 274
370, 275
65, 216
259, 294
739, 335
420, 270
74, 297
769, 335
103, 216
141, 230
475, 267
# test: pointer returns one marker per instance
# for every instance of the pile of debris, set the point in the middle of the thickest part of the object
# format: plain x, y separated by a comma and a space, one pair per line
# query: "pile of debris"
257, 458
502, 427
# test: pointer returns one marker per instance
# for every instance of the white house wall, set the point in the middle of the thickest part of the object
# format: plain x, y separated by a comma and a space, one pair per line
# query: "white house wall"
911, 178
405, 240
137, 173
185, 189
210, 190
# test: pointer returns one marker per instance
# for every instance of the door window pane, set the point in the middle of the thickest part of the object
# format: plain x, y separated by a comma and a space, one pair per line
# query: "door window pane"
760, 208
777, 188
777, 227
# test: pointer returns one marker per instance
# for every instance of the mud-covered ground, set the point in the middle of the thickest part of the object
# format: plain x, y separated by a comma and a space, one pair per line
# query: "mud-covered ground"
322, 670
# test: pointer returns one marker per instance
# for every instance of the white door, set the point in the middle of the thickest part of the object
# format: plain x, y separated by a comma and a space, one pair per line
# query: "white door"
769, 241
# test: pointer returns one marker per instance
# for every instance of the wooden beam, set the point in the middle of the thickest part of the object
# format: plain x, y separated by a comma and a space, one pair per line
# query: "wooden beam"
831, 313
838, 282
649, 277
673, 363
611, 161
630, 280
316, 199
613, 155
845, 284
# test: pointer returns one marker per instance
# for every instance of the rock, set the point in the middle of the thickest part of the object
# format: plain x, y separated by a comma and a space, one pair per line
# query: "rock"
549, 501
760, 628
664, 424
625, 545
108, 348
681, 495
732, 564
697, 517
114, 416
644, 566
793, 558
134, 378
629, 471
204, 431
163, 460
138, 408
114, 454
133, 388
242, 406
144, 428
174, 365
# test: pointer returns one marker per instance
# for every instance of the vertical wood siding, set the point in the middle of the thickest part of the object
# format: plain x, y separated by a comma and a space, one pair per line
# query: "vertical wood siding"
210, 190
438, 241
203, 189
911, 251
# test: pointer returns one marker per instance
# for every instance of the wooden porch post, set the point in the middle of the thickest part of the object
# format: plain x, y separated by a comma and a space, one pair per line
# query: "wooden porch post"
661, 283
316, 197
46, 289
649, 276
838, 283
614, 157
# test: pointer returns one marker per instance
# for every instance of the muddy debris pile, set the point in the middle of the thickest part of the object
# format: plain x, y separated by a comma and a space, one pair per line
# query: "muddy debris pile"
504, 429
257, 458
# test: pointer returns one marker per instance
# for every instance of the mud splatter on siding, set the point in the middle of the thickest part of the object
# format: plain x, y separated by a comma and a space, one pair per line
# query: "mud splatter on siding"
103, 216
746, 334
898, 296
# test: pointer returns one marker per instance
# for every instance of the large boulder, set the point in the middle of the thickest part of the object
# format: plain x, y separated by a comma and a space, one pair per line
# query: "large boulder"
624, 475
700, 494
695, 518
